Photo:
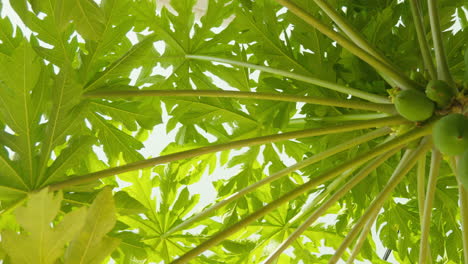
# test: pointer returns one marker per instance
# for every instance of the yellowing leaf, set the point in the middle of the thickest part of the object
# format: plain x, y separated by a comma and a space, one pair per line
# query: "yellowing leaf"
41, 243
92, 245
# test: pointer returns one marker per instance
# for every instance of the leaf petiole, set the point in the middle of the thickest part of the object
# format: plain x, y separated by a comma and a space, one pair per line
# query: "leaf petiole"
364, 172
302, 164
355, 36
380, 107
409, 159
443, 72
399, 78
421, 34
361, 159
226, 146
424, 253
361, 239
322, 83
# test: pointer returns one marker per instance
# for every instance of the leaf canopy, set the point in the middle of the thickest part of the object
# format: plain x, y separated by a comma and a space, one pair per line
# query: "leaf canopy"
73, 112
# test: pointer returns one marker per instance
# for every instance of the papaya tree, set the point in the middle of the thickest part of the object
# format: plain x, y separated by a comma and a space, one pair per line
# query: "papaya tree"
233, 131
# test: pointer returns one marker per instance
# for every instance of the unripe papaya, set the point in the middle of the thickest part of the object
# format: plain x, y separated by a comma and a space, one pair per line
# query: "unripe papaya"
439, 92
450, 134
414, 105
462, 169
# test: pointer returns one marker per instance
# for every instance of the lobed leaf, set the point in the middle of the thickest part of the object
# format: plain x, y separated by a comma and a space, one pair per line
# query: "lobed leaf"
92, 245
44, 244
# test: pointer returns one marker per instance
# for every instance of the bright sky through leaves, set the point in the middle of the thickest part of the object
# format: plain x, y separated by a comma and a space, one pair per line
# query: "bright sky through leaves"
209, 131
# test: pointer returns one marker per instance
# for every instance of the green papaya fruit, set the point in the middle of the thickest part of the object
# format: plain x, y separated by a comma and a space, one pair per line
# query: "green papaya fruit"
414, 105
450, 134
439, 92
462, 169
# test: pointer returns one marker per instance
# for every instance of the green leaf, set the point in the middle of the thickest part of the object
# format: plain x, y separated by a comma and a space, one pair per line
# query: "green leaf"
125, 204
117, 23
92, 245
128, 113
69, 158
64, 117
142, 53
8, 40
115, 141
133, 248
53, 131
55, 29
19, 74
88, 18
10, 178
466, 65
43, 243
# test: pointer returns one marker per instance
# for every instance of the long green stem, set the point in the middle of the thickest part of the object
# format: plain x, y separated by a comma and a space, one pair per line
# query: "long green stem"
309, 208
421, 181
399, 78
443, 72
226, 146
300, 122
463, 196
332, 200
361, 159
361, 239
407, 162
356, 37
421, 34
350, 117
430, 194
316, 158
322, 83
352, 33
248, 95
313, 205
463, 193
370, 214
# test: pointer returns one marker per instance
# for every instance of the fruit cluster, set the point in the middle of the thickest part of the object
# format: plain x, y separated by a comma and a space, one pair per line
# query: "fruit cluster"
450, 133
414, 105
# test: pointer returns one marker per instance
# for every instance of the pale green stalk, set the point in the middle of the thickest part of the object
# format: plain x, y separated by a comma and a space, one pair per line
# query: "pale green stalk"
430, 194
302, 164
352, 33
308, 209
443, 72
226, 146
247, 95
463, 193
331, 201
421, 181
406, 163
313, 205
421, 34
322, 83
361, 239
304, 188
463, 196
398, 77
350, 117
